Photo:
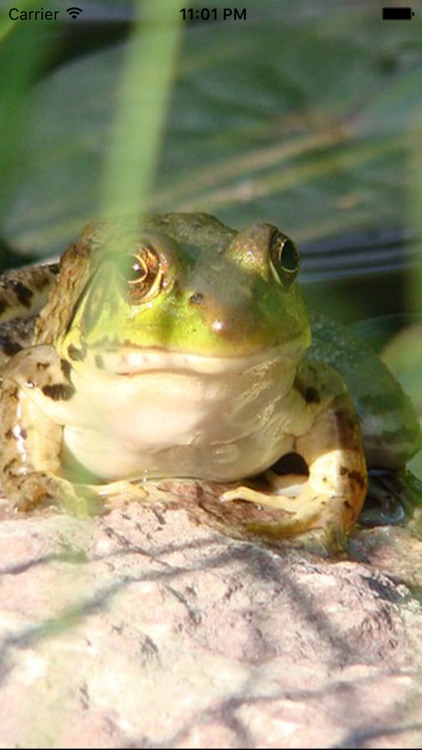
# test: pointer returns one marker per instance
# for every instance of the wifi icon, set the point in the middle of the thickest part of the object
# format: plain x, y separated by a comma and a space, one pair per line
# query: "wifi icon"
74, 12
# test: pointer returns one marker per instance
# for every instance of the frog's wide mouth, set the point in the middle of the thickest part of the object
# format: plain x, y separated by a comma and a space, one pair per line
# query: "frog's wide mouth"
132, 361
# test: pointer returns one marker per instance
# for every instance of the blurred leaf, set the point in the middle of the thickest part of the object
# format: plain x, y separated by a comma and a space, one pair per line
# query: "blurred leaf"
298, 115
403, 355
22, 50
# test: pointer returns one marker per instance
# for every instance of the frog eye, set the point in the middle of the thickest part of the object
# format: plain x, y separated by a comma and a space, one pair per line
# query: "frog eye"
143, 274
284, 259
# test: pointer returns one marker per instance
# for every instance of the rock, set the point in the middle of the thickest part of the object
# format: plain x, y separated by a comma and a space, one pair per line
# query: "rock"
141, 628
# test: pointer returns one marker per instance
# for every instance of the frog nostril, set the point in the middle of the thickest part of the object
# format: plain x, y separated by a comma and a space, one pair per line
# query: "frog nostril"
196, 299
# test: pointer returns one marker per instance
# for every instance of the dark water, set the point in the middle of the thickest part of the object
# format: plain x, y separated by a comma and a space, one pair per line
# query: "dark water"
365, 276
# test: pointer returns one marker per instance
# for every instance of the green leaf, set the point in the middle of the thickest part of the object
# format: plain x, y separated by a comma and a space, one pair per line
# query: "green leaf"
299, 116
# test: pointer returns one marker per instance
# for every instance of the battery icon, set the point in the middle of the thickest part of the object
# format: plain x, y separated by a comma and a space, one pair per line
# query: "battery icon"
397, 14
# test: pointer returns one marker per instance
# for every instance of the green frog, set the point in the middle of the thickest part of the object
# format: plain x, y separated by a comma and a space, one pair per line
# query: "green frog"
181, 350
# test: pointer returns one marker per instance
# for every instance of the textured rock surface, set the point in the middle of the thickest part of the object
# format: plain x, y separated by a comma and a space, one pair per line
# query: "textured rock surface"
143, 629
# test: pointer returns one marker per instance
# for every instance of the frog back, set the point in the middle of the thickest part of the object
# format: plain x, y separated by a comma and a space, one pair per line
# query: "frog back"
388, 420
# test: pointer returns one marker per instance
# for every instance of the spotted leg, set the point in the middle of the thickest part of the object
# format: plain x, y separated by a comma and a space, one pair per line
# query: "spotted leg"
327, 500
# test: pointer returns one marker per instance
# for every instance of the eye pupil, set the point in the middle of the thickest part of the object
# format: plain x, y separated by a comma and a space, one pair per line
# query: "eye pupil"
143, 274
137, 271
289, 256
285, 259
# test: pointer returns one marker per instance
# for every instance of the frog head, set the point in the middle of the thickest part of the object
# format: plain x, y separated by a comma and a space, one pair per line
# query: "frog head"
186, 284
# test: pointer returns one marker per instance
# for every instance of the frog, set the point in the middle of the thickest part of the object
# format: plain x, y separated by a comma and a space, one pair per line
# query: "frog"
177, 348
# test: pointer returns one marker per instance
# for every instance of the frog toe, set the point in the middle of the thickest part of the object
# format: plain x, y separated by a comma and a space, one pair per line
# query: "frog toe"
296, 510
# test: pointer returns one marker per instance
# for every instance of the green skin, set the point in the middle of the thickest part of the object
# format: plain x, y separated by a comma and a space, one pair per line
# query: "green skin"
184, 354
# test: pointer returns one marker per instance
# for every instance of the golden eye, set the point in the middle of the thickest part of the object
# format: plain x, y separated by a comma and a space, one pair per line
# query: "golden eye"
143, 274
284, 258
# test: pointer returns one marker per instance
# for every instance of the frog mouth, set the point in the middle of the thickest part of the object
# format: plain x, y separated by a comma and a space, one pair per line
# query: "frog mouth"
130, 361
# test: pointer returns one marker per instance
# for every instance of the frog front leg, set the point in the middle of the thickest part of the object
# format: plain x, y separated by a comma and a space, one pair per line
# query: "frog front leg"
328, 499
35, 383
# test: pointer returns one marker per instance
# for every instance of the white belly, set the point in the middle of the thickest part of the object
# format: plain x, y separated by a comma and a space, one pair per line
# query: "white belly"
199, 417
